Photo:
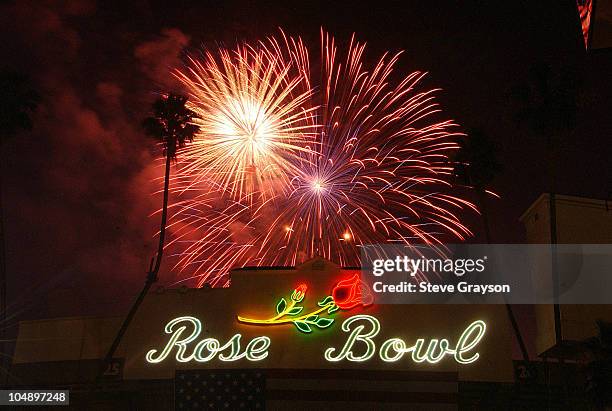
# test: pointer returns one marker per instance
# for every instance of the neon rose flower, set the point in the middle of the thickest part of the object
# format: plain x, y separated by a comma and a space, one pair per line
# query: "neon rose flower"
299, 293
352, 292
347, 294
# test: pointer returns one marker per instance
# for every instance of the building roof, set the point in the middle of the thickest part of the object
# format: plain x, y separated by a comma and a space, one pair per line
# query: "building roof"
572, 199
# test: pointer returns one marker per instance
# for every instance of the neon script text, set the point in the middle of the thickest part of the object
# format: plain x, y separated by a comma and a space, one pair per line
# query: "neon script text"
360, 345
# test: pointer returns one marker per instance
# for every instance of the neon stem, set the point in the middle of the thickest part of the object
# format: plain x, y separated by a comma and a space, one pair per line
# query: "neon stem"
277, 320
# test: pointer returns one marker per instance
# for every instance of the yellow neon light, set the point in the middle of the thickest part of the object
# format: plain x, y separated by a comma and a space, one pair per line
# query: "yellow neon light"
290, 313
277, 319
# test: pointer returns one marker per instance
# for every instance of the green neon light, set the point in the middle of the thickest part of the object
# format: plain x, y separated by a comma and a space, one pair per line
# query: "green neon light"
465, 344
290, 313
359, 346
393, 349
175, 339
356, 335
208, 348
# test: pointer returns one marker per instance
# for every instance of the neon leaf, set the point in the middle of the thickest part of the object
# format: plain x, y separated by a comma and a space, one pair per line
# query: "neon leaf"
325, 301
295, 311
280, 307
324, 322
302, 326
333, 309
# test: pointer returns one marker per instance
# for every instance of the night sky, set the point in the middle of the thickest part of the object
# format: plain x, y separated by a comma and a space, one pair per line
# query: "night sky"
77, 190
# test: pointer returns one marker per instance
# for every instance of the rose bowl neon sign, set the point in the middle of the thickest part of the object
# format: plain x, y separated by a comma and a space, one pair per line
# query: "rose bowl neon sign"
359, 346
367, 327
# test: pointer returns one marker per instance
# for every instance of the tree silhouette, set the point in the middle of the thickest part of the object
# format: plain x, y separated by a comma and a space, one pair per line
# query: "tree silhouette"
477, 165
600, 369
548, 105
170, 123
17, 104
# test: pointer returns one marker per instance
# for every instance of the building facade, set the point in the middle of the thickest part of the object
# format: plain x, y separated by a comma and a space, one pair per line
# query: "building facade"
298, 334
309, 337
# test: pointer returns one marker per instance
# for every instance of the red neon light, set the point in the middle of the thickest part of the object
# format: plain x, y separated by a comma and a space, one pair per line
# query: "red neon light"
351, 292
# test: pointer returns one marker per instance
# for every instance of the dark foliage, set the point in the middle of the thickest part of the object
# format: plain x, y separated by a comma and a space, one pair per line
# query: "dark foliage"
170, 122
476, 163
17, 102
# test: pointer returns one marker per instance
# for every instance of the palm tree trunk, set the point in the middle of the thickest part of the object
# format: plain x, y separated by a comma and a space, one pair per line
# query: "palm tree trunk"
487, 230
485, 214
164, 216
151, 277
4, 355
552, 210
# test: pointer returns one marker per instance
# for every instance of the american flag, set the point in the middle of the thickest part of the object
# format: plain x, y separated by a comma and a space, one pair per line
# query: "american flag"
307, 389
219, 389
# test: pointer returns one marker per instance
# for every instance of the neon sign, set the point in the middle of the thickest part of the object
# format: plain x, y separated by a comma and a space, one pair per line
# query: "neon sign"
290, 313
360, 345
347, 294
393, 349
208, 348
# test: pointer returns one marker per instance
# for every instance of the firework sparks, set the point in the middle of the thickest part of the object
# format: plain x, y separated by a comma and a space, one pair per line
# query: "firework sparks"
252, 121
283, 171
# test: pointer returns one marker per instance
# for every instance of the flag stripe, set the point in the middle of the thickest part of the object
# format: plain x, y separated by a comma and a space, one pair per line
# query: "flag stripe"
368, 396
258, 388
372, 375
361, 385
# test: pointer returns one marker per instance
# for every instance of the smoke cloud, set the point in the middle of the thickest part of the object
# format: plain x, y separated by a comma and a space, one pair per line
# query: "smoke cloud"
77, 189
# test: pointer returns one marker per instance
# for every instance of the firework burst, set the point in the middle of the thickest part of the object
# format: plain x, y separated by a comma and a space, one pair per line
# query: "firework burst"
252, 120
283, 170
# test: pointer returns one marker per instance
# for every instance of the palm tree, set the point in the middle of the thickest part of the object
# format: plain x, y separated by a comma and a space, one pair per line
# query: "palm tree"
548, 104
170, 123
476, 164
18, 103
